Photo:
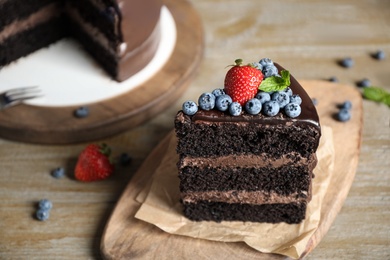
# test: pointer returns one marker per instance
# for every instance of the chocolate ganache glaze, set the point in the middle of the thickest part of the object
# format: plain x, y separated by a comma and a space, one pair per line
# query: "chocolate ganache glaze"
140, 34
308, 114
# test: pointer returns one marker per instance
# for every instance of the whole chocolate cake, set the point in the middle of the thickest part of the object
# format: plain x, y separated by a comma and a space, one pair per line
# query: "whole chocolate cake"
248, 154
122, 35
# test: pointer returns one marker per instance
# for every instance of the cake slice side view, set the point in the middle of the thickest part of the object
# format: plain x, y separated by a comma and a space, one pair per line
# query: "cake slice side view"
249, 166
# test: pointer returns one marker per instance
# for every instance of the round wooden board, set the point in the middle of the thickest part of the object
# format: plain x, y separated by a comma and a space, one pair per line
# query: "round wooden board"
128, 238
57, 125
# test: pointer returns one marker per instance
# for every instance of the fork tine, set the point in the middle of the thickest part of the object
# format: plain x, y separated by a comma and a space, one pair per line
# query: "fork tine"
22, 90
22, 97
17, 95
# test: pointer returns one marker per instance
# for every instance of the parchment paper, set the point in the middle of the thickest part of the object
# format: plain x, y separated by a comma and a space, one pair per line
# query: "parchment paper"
161, 207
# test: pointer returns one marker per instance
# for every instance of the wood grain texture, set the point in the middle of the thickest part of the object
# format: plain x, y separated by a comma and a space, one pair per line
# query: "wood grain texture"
58, 125
308, 39
127, 237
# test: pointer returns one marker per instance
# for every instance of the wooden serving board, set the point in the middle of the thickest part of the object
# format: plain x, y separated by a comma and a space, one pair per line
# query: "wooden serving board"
128, 238
57, 125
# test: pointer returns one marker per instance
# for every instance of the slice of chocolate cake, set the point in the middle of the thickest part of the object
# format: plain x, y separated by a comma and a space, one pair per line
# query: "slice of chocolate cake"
248, 166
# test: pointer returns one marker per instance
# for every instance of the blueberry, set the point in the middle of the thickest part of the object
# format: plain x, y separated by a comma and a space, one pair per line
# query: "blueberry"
266, 62
292, 110
333, 79
45, 204
343, 115
206, 101
253, 106
263, 97
346, 105
288, 91
271, 108
281, 97
189, 108
257, 65
315, 101
222, 102
347, 62
235, 109
270, 71
81, 112
58, 172
364, 83
125, 159
379, 55
217, 92
296, 99
42, 214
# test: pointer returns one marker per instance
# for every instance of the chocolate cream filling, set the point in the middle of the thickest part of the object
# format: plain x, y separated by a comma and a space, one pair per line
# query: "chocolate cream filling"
246, 197
250, 160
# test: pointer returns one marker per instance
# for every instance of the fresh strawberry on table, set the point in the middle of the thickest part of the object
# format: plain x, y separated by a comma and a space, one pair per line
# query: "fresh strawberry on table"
242, 82
94, 163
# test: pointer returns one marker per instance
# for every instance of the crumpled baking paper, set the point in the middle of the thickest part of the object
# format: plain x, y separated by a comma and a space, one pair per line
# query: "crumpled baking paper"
161, 207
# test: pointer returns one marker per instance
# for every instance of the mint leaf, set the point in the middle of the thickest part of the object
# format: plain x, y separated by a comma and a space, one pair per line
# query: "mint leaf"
377, 94
276, 83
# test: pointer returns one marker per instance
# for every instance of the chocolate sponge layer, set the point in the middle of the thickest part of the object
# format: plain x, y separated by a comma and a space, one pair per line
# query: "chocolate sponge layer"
217, 139
291, 213
284, 180
31, 40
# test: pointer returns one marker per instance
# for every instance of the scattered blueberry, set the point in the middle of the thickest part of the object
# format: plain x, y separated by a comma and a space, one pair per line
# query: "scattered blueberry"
292, 110
222, 102
125, 159
206, 101
379, 55
296, 99
343, 115
42, 214
315, 101
270, 71
266, 62
257, 65
271, 108
235, 109
217, 92
190, 108
364, 83
281, 97
45, 204
288, 91
253, 106
81, 112
347, 62
58, 172
346, 105
263, 97
333, 79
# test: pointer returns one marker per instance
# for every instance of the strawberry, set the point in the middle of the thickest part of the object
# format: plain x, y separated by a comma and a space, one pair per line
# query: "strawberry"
242, 82
94, 163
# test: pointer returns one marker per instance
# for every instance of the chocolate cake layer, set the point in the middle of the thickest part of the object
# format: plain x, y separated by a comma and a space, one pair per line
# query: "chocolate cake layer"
284, 180
244, 137
103, 18
291, 213
20, 9
28, 41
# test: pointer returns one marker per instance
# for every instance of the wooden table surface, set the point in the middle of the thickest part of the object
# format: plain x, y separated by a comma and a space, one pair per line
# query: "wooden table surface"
308, 38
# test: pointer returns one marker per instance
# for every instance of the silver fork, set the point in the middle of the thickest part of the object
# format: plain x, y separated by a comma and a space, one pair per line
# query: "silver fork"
16, 96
